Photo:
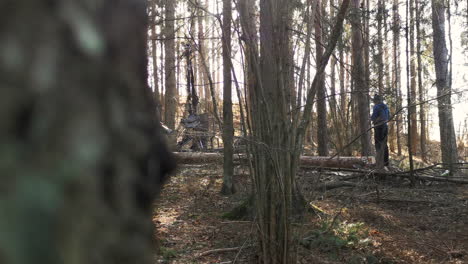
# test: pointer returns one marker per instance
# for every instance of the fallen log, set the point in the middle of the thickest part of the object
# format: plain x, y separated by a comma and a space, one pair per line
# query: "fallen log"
198, 157
315, 161
436, 179
404, 174
335, 185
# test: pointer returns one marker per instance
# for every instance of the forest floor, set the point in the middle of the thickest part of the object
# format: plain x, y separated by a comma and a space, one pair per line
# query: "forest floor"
376, 221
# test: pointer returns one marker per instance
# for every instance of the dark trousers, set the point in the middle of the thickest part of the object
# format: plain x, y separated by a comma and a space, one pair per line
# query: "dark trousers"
381, 147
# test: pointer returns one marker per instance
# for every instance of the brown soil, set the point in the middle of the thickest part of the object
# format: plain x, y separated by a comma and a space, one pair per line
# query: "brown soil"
427, 224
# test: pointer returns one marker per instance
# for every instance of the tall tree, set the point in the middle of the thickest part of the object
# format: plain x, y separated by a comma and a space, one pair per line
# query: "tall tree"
204, 60
380, 59
154, 57
80, 149
448, 142
322, 130
277, 140
365, 31
228, 127
408, 90
250, 35
359, 76
397, 78
170, 73
422, 112
412, 107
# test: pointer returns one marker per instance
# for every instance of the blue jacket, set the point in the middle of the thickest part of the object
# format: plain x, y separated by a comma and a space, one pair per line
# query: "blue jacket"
381, 114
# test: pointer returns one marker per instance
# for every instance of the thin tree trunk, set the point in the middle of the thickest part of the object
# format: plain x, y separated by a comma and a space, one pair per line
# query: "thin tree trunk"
310, 16
365, 31
422, 113
343, 95
169, 46
397, 75
387, 71
247, 14
336, 117
322, 130
408, 90
163, 77
205, 87
380, 61
154, 53
228, 127
412, 107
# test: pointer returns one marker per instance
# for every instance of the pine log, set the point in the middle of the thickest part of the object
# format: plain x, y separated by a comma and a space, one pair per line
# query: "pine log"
315, 161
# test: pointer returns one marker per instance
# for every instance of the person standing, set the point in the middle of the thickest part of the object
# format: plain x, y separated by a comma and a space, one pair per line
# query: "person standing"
380, 117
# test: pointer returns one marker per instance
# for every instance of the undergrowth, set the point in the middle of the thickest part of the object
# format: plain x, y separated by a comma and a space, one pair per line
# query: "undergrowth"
334, 237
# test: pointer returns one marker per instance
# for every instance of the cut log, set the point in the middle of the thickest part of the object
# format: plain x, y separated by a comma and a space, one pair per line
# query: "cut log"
314, 161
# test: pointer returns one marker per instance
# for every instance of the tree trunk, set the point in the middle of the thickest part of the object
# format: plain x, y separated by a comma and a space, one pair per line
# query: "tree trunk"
335, 114
359, 76
448, 142
386, 55
365, 31
322, 130
380, 61
170, 74
154, 54
343, 95
397, 77
273, 180
422, 113
309, 16
247, 14
203, 60
80, 148
412, 107
408, 92
276, 159
228, 128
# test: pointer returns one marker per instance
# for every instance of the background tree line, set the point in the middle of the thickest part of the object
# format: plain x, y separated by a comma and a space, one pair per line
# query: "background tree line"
303, 73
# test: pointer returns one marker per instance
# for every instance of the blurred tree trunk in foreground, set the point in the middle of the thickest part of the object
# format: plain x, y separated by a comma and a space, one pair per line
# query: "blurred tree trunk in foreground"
80, 156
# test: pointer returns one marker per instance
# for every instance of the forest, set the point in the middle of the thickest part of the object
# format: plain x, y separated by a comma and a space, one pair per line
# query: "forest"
234, 131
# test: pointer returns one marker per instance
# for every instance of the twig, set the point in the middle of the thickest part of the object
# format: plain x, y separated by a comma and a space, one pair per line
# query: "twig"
239, 252
236, 222
220, 250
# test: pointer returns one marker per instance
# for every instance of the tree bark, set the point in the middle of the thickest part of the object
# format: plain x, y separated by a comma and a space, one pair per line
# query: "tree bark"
228, 127
422, 112
169, 66
154, 54
412, 107
380, 61
203, 60
448, 142
81, 153
397, 76
322, 129
359, 75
